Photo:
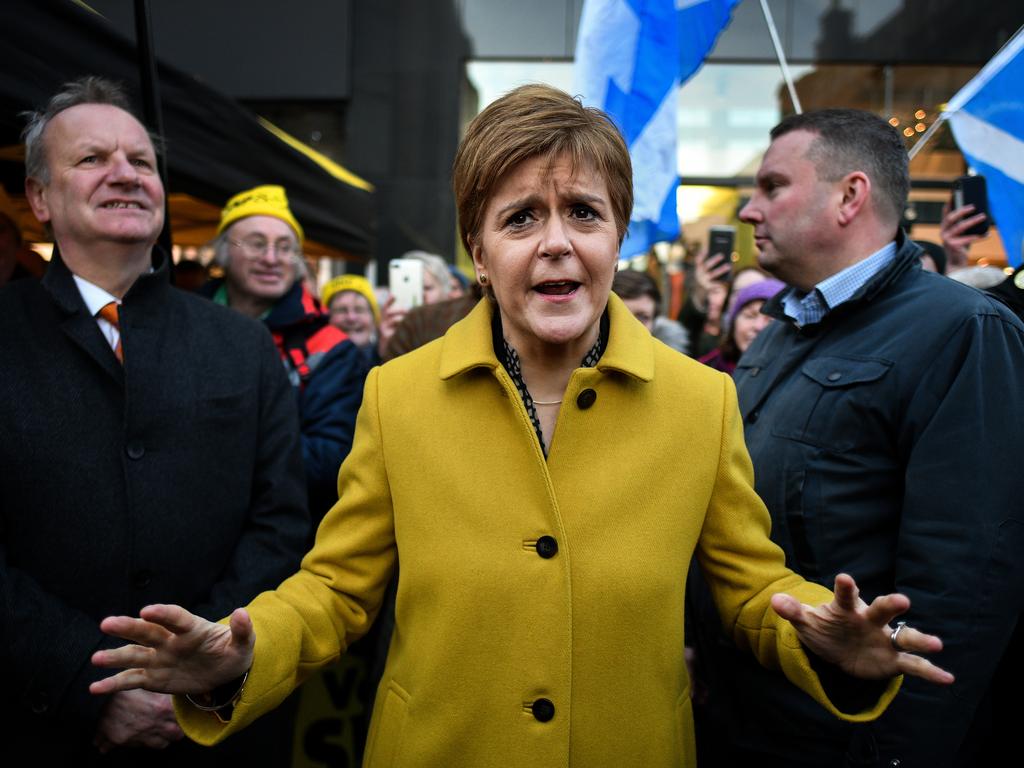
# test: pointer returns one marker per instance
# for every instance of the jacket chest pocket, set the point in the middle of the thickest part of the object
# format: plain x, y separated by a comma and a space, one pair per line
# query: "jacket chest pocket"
833, 402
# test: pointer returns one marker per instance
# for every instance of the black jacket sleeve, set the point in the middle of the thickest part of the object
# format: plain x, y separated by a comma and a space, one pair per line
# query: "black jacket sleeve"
276, 531
961, 532
328, 409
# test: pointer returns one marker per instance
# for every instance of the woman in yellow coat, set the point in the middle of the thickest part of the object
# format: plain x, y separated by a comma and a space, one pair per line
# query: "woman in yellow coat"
544, 473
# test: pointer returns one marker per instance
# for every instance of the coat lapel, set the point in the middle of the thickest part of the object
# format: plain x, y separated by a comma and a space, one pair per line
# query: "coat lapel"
77, 324
467, 344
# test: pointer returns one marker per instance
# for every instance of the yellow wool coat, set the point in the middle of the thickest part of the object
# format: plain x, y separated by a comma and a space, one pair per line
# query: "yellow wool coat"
647, 466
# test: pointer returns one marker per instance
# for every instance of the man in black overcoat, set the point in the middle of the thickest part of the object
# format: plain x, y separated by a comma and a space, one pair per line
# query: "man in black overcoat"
150, 447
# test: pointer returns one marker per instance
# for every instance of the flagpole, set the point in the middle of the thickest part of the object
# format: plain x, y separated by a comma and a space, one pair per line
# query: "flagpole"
919, 144
966, 93
782, 56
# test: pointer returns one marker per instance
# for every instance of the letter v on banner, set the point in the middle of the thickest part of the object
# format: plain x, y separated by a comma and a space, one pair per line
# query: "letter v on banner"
631, 58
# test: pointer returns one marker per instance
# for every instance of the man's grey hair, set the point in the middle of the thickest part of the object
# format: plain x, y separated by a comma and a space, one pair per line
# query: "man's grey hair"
436, 266
85, 90
221, 254
854, 140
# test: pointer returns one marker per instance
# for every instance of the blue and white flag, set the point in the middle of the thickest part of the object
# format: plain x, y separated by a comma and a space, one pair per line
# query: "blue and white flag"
631, 58
987, 118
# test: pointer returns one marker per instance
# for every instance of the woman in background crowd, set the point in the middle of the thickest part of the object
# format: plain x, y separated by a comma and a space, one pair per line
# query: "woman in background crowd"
640, 294
742, 324
352, 306
708, 299
436, 286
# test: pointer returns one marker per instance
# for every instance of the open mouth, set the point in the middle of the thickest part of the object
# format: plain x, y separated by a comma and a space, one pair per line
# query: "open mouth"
557, 288
120, 204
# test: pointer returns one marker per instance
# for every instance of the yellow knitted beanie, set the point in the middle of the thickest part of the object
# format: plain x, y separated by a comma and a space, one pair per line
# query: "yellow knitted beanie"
266, 200
356, 283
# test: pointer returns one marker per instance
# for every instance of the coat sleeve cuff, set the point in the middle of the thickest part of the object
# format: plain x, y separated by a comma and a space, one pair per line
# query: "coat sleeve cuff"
849, 702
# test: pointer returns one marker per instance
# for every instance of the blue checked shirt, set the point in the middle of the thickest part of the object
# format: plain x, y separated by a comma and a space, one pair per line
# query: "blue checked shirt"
808, 308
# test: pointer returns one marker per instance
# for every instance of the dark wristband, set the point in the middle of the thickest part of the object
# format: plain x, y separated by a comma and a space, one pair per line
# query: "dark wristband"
223, 697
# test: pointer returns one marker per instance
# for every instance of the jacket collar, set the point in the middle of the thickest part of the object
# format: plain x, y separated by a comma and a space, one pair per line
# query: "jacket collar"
61, 285
296, 307
908, 255
468, 344
80, 326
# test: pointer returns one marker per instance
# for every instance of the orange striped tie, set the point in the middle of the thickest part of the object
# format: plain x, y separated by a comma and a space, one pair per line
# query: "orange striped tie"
112, 314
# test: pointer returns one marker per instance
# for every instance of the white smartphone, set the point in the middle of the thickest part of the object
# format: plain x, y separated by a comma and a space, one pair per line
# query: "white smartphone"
405, 281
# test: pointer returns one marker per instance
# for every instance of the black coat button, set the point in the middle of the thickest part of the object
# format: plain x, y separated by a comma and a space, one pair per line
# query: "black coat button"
547, 547
142, 579
752, 417
586, 398
543, 710
135, 450
39, 704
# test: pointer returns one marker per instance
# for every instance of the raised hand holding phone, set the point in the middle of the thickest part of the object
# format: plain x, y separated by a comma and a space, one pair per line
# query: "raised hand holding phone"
965, 219
721, 243
405, 281
972, 191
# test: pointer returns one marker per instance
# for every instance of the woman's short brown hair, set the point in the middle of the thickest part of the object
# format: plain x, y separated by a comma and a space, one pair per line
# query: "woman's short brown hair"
532, 121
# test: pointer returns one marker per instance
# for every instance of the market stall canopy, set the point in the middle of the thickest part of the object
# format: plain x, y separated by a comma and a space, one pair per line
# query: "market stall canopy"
215, 147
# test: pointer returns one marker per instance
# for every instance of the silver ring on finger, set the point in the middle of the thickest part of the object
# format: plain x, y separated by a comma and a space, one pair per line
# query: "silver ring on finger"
894, 638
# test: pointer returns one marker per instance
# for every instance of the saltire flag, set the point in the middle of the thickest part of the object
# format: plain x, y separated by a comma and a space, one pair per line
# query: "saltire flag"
987, 118
631, 58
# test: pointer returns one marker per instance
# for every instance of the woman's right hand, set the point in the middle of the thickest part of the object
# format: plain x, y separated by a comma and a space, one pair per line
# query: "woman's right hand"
174, 651
707, 272
957, 244
391, 316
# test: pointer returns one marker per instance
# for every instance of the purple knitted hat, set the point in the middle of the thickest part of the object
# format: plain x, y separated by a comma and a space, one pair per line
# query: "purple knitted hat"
762, 290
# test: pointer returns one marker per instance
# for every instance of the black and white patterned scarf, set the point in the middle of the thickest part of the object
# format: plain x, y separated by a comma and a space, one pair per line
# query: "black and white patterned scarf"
509, 359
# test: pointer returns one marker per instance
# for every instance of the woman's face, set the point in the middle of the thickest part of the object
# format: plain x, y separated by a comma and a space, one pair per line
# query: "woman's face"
351, 312
716, 300
548, 245
431, 290
644, 309
748, 323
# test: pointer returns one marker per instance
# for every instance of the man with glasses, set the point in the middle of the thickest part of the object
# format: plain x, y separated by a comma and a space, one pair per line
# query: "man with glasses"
352, 306
259, 245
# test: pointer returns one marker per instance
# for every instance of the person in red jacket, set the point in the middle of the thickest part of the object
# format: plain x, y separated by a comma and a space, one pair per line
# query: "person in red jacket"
259, 245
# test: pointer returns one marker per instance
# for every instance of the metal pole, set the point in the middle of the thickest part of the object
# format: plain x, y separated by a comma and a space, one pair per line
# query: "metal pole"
890, 88
782, 57
919, 144
150, 87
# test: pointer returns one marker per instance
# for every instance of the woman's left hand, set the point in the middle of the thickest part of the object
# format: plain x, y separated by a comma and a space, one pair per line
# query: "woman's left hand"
857, 637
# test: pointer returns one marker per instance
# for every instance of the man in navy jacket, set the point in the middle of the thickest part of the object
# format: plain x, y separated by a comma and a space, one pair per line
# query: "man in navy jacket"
883, 414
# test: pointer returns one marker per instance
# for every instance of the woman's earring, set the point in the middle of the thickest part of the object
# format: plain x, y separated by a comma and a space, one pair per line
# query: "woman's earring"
483, 278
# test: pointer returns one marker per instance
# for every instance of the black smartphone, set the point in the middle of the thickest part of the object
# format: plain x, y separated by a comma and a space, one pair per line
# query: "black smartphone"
722, 241
972, 190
